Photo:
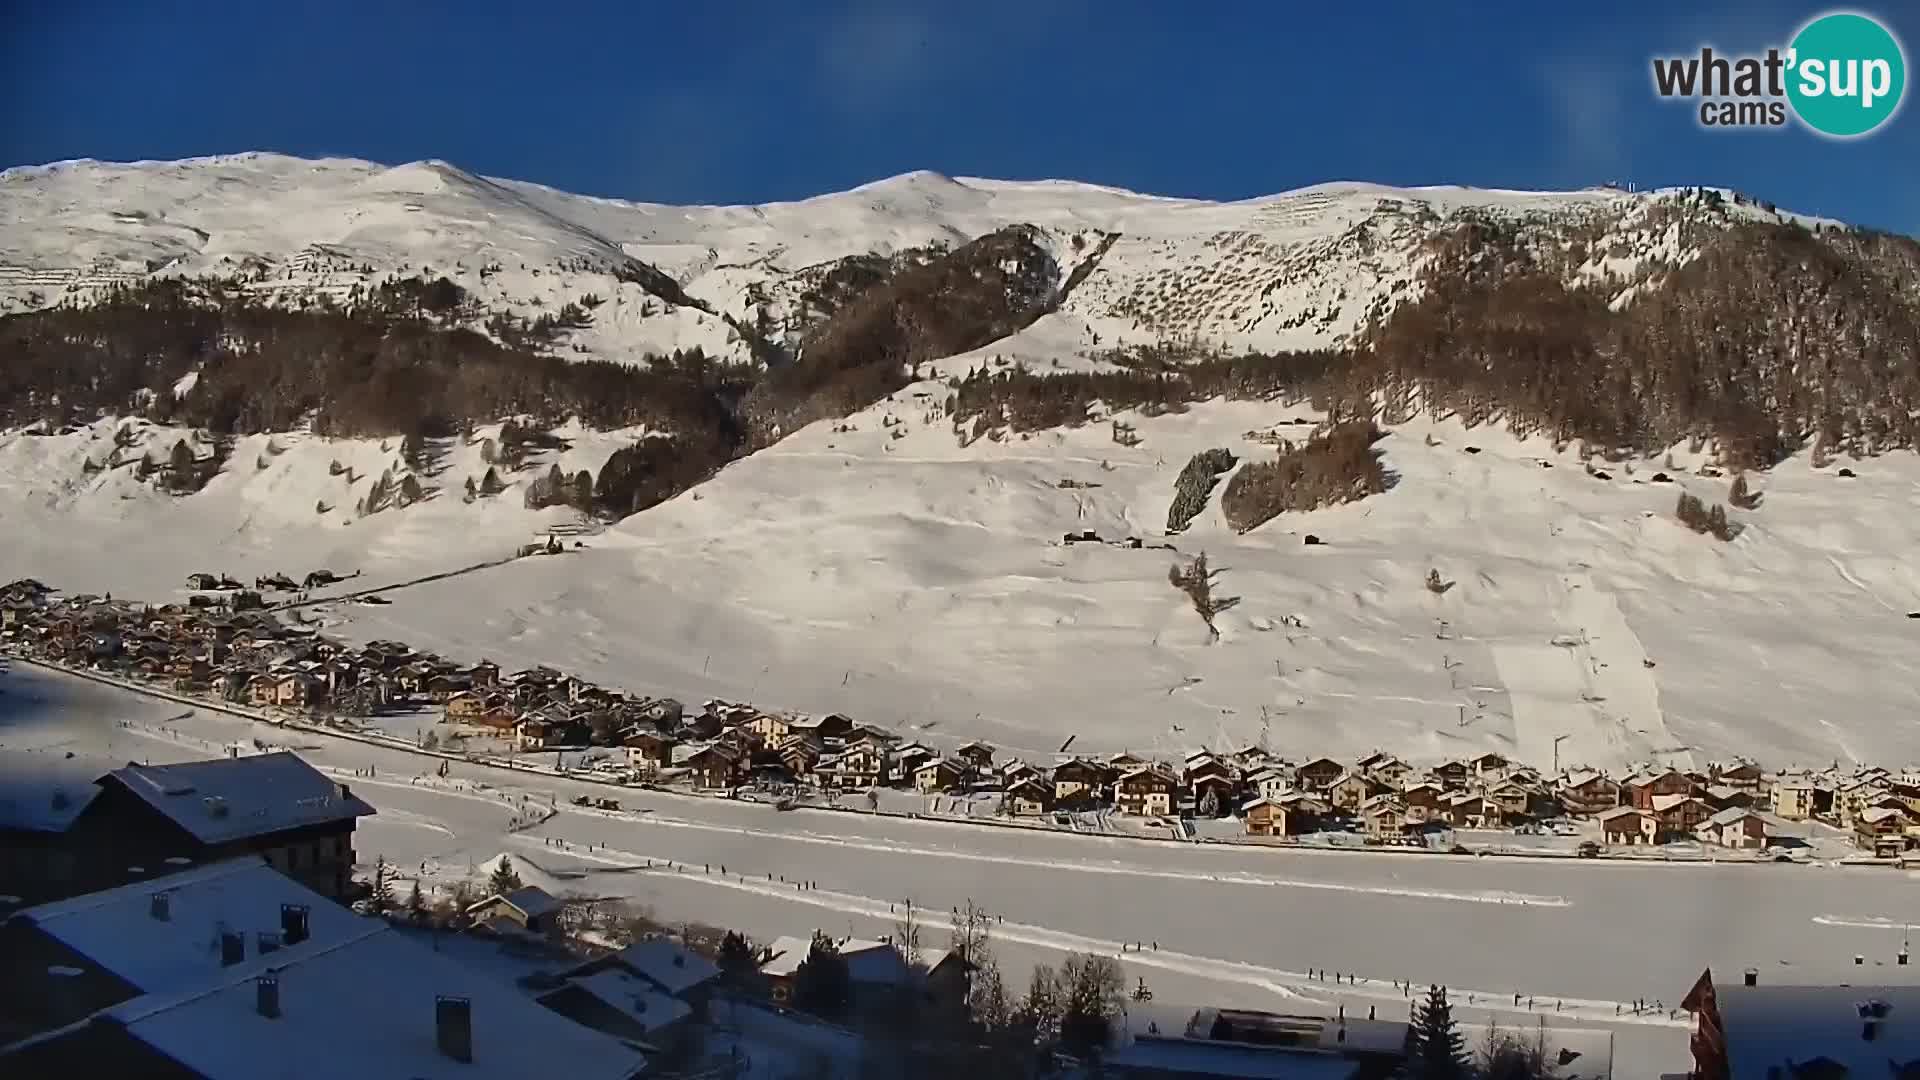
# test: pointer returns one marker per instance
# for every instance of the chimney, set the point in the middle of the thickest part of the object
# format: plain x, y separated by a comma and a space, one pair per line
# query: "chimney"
453, 1027
266, 996
1753, 977
233, 948
160, 906
293, 923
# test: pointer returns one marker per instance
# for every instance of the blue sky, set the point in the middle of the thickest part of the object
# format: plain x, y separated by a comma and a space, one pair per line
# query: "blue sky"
739, 100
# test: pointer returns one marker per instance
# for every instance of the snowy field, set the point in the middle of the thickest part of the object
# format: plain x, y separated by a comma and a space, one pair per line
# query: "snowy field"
1578, 938
922, 586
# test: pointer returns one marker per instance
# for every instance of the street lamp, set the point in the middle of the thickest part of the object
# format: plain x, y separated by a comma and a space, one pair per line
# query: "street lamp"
1557, 740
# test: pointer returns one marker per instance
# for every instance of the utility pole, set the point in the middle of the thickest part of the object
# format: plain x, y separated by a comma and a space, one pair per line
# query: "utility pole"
1557, 740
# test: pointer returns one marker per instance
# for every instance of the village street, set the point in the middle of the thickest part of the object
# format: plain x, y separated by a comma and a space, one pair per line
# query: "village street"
1232, 924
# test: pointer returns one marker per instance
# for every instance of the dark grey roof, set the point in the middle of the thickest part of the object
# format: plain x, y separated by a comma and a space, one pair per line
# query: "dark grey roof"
230, 798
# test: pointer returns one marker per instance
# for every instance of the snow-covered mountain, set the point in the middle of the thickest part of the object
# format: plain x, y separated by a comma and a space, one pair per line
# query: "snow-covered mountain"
1294, 270
878, 565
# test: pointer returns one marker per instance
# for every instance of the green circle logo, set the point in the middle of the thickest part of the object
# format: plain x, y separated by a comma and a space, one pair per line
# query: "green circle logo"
1848, 75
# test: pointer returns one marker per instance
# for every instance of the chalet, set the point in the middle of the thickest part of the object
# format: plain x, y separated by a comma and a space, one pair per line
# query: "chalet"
1465, 810
712, 767
1386, 769
977, 755
1277, 817
1512, 803
203, 582
1251, 756
1736, 827
878, 974
1124, 761
464, 705
943, 774
801, 754
647, 751
830, 726
1215, 791
1352, 789
1320, 773
442, 687
500, 717
1739, 774
271, 805
908, 759
1453, 773
1424, 795
1146, 790
1639, 791
1269, 782
484, 675
1017, 771
530, 909
1587, 794
1383, 816
852, 770
288, 688
1627, 825
1882, 828
1076, 777
1725, 796
1680, 815
1489, 766
1030, 797
535, 731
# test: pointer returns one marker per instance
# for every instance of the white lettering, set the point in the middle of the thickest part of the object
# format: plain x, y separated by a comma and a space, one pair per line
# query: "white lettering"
1850, 85
1877, 81
1813, 77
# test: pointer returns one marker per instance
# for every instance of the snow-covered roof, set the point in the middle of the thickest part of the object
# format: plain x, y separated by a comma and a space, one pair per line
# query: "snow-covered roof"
867, 961
636, 998
1618, 812
668, 964
1776, 1027
1668, 802
1729, 816
118, 929
229, 798
529, 900
366, 1007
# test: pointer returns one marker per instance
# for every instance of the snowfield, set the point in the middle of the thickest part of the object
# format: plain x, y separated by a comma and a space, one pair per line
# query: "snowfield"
915, 584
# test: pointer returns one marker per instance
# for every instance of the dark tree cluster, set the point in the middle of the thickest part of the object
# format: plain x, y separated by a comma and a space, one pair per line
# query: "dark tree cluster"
1195, 484
1711, 521
977, 293
1016, 399
1335, 466
1770, 336
368, 371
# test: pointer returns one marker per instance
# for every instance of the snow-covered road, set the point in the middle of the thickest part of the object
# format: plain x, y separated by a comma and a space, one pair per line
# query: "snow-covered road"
1574, 936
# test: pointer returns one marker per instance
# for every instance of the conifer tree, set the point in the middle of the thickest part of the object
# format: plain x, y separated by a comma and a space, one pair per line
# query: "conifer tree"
1436, 1050
505, 878
381, 899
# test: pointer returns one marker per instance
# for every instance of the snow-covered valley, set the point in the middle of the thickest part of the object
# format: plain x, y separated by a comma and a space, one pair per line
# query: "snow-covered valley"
875, 566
